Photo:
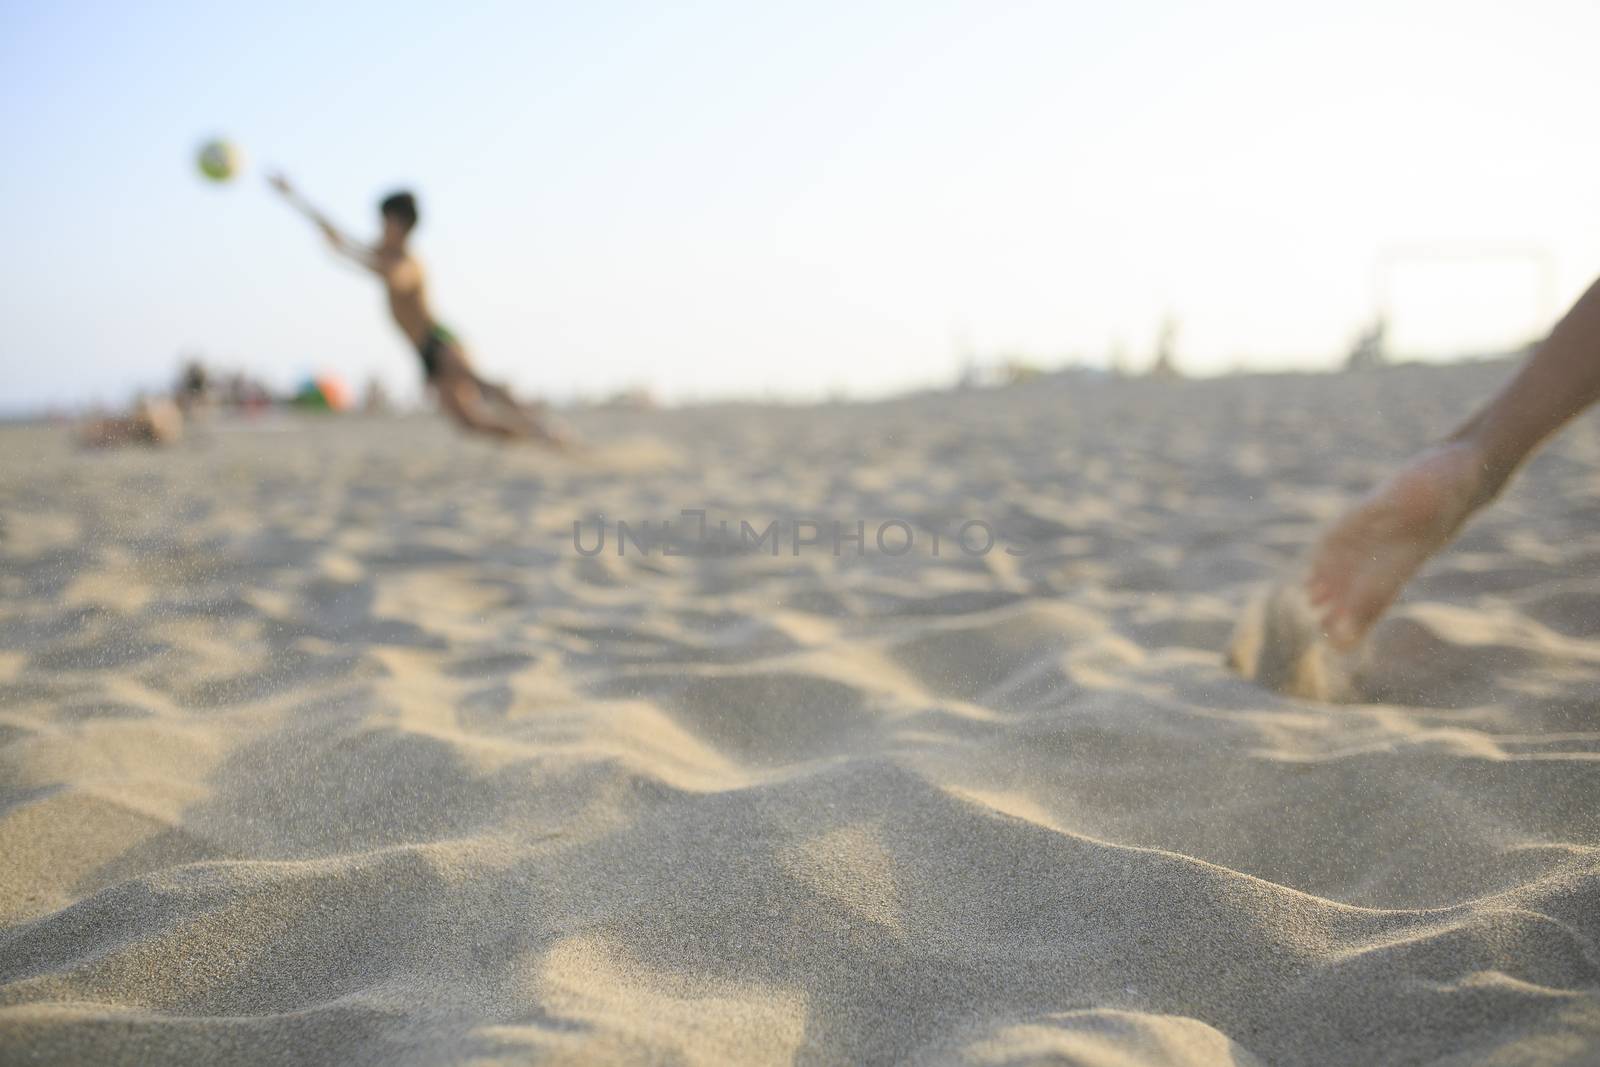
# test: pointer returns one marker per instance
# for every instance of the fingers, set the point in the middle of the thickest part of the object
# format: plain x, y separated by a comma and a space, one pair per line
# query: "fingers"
1332, 613
1342, 631
1348, 614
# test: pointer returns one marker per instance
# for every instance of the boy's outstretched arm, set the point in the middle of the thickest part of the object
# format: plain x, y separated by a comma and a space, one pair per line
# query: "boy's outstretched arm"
340, 242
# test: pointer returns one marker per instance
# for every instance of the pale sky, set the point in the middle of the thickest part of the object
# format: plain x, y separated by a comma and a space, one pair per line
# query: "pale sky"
735, 198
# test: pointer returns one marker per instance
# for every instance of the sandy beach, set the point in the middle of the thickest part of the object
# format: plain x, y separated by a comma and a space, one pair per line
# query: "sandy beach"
322, 741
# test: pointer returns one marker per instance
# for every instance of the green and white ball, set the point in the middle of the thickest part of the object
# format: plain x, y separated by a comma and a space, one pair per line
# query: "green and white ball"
220, 161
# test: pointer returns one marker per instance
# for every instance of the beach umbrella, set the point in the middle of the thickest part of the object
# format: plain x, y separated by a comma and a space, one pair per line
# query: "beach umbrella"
322, 393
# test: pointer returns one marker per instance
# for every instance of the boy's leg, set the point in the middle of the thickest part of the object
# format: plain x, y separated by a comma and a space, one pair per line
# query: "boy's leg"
525, 418
1364, 559
499, 393
461, 396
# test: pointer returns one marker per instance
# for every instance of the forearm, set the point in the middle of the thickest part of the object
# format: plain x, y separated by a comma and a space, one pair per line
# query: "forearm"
1558, 381
306, 208
337, 238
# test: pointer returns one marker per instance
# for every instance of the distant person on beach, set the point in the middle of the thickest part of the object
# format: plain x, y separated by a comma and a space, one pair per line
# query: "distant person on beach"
475, 404
1367, 555
153, 421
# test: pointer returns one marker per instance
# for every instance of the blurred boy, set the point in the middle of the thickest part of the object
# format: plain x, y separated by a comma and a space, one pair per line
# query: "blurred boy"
474, 403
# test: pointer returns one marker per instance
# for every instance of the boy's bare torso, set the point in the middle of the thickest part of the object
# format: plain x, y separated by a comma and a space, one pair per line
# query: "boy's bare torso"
406, 286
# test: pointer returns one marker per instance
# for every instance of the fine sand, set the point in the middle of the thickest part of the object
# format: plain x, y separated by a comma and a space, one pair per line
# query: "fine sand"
320, 743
